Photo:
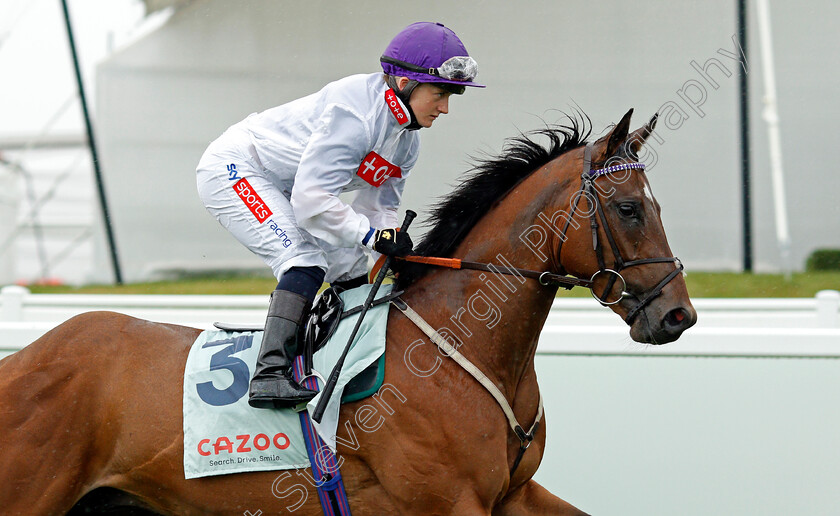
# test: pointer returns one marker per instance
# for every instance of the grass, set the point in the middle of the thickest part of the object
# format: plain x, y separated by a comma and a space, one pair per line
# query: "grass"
700, 284
805, 284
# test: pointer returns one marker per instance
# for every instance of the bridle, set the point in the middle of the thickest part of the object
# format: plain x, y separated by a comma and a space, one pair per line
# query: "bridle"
588, 190
596, 212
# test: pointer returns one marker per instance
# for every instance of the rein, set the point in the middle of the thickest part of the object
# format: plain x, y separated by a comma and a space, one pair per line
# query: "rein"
545, 278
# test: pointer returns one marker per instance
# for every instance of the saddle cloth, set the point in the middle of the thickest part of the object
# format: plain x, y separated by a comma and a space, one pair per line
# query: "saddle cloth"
223, 434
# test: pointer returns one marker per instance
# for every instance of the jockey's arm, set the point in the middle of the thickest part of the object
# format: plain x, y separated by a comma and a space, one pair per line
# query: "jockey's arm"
380, 205
328, 164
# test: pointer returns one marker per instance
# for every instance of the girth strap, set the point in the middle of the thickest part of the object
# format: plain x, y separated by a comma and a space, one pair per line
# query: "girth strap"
375, 302
525, 438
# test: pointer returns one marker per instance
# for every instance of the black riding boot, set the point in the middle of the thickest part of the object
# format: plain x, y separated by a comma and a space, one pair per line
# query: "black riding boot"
273, 385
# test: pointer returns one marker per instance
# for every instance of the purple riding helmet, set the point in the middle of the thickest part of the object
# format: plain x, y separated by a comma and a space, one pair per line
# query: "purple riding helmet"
428, 52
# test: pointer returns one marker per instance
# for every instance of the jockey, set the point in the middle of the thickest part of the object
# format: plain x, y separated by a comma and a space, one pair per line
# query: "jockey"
274, 179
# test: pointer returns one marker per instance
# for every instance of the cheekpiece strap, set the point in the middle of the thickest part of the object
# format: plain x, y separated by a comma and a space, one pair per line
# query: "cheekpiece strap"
587, 160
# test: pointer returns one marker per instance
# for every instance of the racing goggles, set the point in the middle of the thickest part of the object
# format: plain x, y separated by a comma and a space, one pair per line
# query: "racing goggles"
457, 68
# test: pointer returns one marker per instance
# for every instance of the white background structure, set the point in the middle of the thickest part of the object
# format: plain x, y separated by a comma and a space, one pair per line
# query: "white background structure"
164, 98
161, 98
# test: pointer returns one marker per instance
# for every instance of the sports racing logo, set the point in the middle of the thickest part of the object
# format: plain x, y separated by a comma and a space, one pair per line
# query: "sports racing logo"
253, 201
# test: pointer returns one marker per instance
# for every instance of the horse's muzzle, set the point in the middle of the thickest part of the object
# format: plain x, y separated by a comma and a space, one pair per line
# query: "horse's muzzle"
653, 327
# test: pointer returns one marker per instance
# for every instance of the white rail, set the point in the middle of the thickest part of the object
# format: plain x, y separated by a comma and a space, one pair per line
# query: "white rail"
806, 327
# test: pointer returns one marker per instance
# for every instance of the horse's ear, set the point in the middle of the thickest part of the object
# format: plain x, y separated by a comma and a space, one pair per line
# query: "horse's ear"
618, 135
638, 137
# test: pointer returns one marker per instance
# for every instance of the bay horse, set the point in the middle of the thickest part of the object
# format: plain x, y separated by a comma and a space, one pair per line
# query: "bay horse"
90, 413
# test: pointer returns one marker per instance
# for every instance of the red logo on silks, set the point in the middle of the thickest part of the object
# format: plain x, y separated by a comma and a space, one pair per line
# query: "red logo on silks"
253, 201
396, 108
376, 170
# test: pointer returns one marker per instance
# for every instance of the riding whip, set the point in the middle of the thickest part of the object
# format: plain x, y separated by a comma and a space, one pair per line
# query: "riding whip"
329, 387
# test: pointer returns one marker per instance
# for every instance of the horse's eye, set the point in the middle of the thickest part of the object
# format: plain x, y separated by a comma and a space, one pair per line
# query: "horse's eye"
627, 210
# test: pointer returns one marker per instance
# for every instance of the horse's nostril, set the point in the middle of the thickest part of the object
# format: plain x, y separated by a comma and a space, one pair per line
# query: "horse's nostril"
676, 317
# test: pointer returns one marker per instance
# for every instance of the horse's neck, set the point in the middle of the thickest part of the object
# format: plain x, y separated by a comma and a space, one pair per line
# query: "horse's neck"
494, 321
497, 317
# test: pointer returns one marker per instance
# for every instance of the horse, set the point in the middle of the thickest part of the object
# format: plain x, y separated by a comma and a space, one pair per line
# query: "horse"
91, 412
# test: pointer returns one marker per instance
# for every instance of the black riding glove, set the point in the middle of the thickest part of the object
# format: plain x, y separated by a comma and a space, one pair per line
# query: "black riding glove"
391, 242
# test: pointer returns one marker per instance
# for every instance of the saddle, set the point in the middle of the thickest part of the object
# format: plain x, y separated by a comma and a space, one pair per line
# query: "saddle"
321, 322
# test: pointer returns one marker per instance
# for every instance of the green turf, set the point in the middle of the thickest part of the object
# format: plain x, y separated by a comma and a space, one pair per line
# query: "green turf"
805, 284
700, 284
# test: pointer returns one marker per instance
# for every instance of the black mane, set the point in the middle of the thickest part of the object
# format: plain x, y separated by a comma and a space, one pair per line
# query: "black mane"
486, 184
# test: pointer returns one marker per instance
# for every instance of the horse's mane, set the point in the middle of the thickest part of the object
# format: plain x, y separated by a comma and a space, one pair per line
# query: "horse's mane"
487, 183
